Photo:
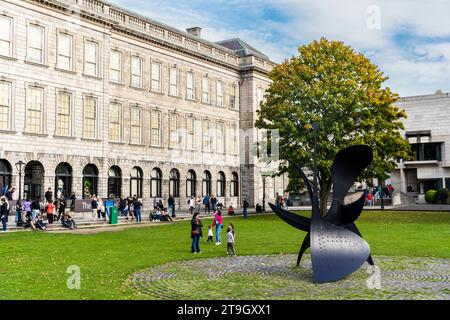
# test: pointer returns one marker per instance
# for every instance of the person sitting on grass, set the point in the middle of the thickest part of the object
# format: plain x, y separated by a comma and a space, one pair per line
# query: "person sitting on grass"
29, 223
165, 216
156, 215
39, 222
230, 211
68, 222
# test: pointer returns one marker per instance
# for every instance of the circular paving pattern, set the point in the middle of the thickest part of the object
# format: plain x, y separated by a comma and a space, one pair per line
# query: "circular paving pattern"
276, 277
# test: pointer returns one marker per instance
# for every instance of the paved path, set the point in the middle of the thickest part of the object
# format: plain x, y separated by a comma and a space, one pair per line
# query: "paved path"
276, 277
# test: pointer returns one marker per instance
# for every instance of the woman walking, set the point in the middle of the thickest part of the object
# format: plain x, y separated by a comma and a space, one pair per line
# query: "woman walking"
196, 233
218, 224
4, 211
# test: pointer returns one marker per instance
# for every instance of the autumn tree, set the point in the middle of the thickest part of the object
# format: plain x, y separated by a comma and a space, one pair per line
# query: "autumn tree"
343, 90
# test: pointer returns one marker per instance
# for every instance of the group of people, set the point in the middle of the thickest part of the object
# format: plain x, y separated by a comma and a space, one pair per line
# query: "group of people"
130, 207
197, 232
377, 192
282, 200
30, 213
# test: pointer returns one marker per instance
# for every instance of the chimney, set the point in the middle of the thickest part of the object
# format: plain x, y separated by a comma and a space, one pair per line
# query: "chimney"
195, 31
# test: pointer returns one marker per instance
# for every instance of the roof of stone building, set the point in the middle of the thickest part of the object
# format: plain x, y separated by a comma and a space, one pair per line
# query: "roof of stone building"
242, 48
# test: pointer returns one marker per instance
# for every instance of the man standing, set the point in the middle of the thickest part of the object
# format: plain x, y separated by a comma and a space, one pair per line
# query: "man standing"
171, 205
213, 203
49, 195
207, 204
245, 205
191, 203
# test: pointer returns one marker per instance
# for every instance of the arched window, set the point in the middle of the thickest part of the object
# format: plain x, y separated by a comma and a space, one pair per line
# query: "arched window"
63, 180
206, 183
34, 180
156, 181
234, 185
136, 179
90, 180
114, 182
191, 183
221, 184
5, 176
174, 183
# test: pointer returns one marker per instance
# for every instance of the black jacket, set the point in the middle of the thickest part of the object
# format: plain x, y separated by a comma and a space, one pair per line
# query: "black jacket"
4, 210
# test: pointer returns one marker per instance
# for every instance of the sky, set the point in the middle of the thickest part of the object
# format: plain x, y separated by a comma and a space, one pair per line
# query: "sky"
408, 39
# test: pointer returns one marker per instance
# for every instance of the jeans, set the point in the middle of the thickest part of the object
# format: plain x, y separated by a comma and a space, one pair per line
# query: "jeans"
218, 229
137, 213
5, 222
195, 244
245, 213
230, 249
34, 213
214, 208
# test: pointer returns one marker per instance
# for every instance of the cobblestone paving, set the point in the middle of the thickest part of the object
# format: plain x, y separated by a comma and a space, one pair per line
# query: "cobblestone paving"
276, 277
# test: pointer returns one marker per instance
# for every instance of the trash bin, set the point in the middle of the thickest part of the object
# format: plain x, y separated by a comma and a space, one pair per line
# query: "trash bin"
113, 215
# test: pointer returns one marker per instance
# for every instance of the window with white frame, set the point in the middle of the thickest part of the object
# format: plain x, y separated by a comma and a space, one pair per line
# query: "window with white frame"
205, 90
219, 94
6, 36
90, 118
234, 139
35, 106
65, 50
5, 104
220, 138
63, 118
156, 128
91, 58
190, 133
115, 121
36, 45
233, 91
174, 82
190, 86
206, 136
136, 72
135, 136
156, 77
173, 130
115, 66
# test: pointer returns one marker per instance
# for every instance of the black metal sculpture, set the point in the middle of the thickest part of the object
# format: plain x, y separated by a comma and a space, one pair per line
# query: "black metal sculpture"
337, 247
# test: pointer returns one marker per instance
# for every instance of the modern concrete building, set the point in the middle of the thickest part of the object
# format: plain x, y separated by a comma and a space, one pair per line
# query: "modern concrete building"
427, 129
95, 99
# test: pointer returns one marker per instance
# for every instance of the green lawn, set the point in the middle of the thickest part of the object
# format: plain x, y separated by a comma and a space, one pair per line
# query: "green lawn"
33, 264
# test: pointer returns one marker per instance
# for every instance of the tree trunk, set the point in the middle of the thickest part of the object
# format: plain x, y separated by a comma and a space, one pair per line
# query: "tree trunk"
325, 188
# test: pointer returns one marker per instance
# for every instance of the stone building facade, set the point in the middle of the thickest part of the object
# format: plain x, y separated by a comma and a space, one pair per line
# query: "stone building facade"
95, 99
427, 129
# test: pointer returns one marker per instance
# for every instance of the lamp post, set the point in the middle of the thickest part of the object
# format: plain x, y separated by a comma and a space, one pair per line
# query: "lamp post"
19, 166
264, 194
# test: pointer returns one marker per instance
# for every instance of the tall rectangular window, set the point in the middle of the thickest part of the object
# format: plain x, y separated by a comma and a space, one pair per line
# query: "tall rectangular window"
6, 34
205, 90
174, 82
135, 136
90, 118
63, 106
156, 129
206, 136
234, 139
156, 77
190, 131
115, 119
65, 49
136, 72
35, 105
219, 94
115, 66
91, 58
220, 138
233, 96
5, 104
259, 97
190, 86
173, 130
35, 50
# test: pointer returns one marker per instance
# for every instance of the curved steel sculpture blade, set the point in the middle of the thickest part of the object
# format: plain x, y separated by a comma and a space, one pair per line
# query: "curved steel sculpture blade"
337, 248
